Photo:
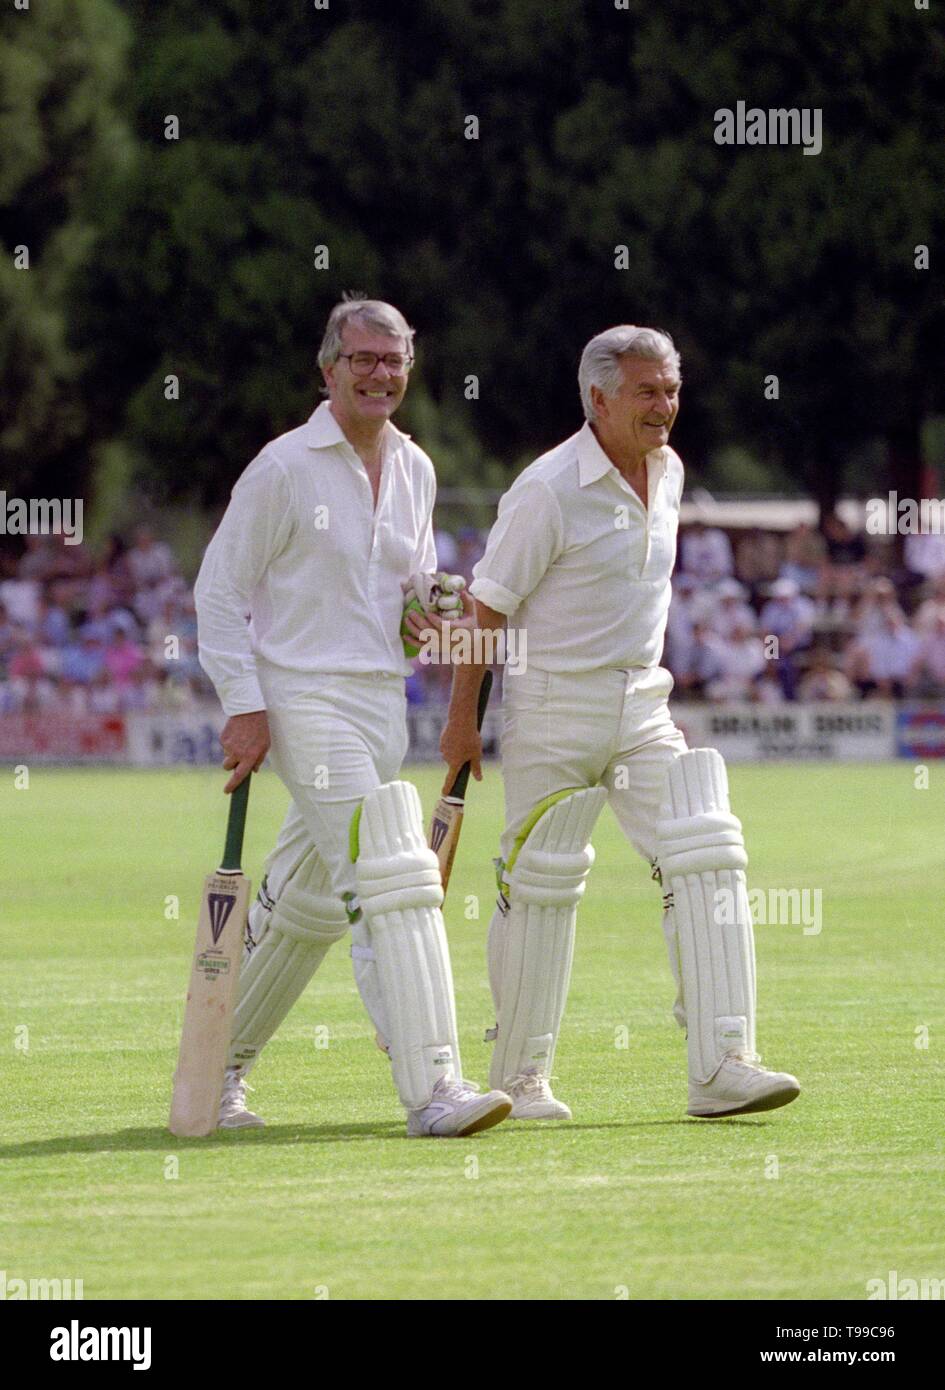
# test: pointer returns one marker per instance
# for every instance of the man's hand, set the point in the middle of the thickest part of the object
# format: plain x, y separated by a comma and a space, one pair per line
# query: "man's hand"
421, 625
245, 740
460, 743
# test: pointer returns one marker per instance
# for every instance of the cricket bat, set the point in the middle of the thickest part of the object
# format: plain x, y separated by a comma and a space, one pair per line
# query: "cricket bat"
214, 977
448, 815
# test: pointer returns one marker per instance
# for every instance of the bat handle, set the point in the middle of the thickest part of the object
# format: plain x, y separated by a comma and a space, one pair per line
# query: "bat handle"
458, 789
236, 824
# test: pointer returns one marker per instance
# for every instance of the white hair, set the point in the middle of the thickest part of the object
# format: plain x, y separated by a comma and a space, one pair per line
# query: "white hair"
600, 360
372, 313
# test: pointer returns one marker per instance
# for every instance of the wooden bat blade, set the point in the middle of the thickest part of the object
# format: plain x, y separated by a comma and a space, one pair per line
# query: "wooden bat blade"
448, 816
211, 999
444, 833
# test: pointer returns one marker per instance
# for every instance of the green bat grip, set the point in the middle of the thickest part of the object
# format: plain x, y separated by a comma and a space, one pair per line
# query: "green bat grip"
236, 824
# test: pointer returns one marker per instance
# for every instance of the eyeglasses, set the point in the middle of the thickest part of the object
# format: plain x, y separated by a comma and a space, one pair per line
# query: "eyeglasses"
363, 363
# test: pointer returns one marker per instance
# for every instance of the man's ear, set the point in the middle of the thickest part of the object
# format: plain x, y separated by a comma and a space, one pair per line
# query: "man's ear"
599, 402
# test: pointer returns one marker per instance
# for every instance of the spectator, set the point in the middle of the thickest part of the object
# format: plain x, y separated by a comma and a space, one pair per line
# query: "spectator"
83, 660
9, 634
742, 660
931, 608
804, 557
758, 557
103, 696
789, 616
927, 677
843, 547
20, 598
768, 688
39, 559
52, 627
731, 610
706, 552
924, 555
34, 695
149, 561
102, 591
881, 661
141, 692
869, 611
823, 680
122, 658
27, 661
707, 661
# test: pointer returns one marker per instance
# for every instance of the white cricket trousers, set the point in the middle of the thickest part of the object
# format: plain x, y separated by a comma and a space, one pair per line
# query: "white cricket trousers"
334, 738
607, 727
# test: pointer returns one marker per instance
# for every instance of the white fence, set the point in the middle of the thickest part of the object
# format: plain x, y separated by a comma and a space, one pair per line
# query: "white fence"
868, 731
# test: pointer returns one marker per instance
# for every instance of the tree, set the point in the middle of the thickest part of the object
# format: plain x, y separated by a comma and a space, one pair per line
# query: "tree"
63, 140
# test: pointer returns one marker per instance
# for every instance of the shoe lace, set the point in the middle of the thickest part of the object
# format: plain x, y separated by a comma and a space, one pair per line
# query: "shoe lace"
533, 1082
234, 1089
454, 1089
746, 1059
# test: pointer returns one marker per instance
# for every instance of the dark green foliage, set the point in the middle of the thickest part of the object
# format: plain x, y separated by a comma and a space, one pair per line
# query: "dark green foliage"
344, 127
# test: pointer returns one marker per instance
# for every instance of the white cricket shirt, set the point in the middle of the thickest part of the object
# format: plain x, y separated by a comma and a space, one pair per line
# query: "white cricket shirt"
304, 554
579, 561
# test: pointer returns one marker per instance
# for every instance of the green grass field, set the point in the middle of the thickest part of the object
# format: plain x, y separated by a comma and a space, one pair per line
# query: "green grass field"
632, 1199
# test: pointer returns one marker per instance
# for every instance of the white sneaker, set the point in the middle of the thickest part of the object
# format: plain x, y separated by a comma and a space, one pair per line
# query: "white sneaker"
457, 1109
741, 1087
233, 1111
532, 1098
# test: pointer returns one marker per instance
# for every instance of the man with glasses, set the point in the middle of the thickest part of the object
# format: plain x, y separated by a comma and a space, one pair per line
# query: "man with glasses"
325, 529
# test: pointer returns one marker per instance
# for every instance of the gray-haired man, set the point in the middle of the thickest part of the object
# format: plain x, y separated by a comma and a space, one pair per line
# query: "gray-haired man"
581, 554
324, 530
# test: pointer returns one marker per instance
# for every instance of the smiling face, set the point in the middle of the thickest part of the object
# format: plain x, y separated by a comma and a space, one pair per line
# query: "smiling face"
359, 400
640, 416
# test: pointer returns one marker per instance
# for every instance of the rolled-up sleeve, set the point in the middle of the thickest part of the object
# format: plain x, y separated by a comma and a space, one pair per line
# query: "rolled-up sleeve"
256, 527
527, 537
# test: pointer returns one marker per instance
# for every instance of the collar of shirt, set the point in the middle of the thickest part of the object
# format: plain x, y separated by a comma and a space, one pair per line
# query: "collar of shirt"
324, 432
594, 463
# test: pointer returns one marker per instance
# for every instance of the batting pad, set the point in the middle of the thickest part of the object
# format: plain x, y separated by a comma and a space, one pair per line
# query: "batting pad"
292, 938
702, 862
400, 892
531, 952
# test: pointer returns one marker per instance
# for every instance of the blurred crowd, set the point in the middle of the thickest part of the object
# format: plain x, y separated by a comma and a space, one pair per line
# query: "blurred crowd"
806, 615
755, 615
97, 634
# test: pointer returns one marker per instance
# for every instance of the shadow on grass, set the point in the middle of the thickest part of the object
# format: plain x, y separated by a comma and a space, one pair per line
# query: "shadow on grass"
132, 1140
684, 1120
160, 1139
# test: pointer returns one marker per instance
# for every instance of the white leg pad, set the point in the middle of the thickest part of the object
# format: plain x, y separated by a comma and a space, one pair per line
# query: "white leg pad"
495, 953
531, 950
365, 977
702, 862
400, 892
287, 942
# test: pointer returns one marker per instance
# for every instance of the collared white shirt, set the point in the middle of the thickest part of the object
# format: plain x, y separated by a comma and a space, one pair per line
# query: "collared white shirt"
302, 550
579, 561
